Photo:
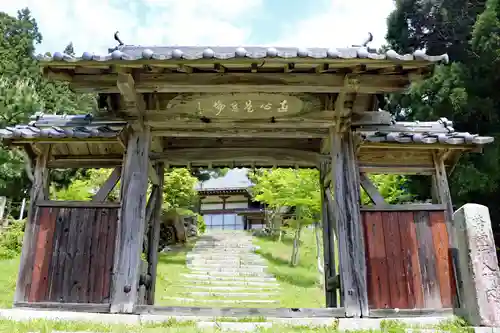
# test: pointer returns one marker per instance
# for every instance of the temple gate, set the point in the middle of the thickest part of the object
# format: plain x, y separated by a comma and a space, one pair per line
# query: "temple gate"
240, 107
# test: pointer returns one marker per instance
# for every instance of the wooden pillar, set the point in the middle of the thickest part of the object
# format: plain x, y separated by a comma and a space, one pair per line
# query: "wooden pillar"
327, 222
39, 191
441, 193
131, 222
154, 234
346, 192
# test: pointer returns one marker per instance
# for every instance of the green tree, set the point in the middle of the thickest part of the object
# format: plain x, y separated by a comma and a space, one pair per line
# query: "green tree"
464, 91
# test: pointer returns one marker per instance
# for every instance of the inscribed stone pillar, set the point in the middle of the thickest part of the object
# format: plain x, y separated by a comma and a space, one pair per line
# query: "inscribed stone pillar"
477, 266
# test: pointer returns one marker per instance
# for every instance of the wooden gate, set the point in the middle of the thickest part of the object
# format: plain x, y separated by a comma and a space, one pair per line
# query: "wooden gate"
408, 260
74, 250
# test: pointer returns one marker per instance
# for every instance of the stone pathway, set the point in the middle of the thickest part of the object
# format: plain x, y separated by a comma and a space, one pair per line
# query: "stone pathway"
225, 271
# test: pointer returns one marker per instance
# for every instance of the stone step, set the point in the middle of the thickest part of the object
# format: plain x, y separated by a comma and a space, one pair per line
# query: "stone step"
244, 288
229, 278
224, 301
225, 263
239, 283
224, 255
229, 269
230, 273
228, 294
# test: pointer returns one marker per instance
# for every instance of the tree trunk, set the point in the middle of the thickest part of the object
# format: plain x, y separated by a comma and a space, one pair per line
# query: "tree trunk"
321, 269
295, 251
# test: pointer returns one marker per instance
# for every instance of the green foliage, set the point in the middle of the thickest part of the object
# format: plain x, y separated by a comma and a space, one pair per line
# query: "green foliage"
464, 91
179, 189
85, 186
200, 224
279, 188
24, 91
11, 240
392, 187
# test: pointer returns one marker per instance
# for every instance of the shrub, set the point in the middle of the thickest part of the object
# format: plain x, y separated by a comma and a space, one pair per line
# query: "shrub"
200, 224
11, 240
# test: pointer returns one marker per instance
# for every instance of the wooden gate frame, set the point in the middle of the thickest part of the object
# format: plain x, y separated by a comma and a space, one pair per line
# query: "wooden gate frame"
154, 106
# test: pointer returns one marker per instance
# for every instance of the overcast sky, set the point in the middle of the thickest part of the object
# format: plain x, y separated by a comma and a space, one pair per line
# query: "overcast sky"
90, 24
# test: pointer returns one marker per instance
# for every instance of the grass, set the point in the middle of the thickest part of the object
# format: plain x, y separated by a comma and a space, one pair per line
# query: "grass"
8, 275
299, 285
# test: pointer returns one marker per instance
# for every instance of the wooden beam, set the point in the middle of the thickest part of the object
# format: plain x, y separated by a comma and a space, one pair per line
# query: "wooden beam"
243, 133
154, 235
346, 193
108, 185
246, 82
328, 221
371, 190
126, 86
152, 175
442, 191
403, 208
77, 204
131, 224
171, 119
39, 191
150, 206
213, 155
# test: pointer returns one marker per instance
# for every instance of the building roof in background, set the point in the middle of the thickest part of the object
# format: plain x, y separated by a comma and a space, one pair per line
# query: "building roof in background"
234, 180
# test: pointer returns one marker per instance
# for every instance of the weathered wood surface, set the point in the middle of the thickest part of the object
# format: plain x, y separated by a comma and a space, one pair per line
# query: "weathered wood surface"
131, 223
73, 246
371, 190
245, 83
441, 190
154, 235
327, 219
407, 260
345, 184
39, 191
403, 207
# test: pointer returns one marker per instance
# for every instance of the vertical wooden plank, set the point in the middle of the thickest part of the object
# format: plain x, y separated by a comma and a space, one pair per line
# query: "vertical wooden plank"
379, 295
345, 179
101, 261
131, 223
94, 257
54, 264
83, 295
69, 265
442, 189
39, 191
79, 259
409, 244
330, 269
427, 260
62, 256
154, 234
43, 254
110, 251
399, 298
440, 242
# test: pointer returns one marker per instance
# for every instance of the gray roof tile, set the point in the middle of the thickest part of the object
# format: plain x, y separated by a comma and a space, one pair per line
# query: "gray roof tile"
130, 52
86, 126
63, 126
428, 132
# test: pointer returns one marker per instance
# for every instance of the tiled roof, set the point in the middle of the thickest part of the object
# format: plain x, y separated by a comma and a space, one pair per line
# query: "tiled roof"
63, 126
430, 132
131, 53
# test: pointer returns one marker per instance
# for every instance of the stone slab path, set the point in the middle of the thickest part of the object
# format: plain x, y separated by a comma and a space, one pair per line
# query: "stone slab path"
226, 271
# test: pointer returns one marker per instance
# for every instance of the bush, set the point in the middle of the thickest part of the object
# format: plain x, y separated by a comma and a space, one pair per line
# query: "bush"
200, 224
11, 240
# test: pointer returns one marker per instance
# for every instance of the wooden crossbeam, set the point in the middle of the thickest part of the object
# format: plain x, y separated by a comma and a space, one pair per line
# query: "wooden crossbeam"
245, 82
126, 86
371, 190
153, 176
108, 185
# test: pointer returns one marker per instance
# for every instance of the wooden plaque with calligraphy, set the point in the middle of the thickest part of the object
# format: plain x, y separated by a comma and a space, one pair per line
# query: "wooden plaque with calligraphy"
243, 106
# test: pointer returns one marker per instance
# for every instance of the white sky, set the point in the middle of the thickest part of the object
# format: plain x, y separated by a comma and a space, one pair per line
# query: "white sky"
90, 24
